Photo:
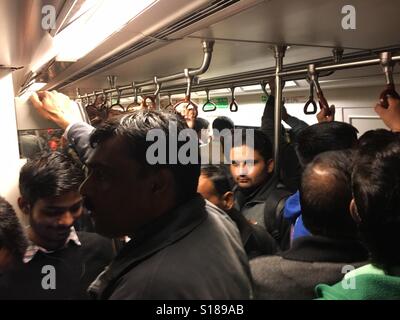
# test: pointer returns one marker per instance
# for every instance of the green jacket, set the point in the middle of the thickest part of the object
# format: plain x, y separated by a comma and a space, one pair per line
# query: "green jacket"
365, 283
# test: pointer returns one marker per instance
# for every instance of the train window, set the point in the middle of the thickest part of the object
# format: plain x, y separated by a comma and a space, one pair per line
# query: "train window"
32, 142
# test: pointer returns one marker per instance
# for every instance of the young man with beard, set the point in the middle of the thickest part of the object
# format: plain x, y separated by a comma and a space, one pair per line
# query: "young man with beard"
259, 195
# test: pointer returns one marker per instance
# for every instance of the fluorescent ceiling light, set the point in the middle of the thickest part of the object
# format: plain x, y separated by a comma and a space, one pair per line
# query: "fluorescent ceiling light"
85, 7
95, 25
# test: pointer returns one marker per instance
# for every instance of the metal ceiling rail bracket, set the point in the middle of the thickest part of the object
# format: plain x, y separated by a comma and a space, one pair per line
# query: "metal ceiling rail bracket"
207, 50
295, 71
291, 72
339, 66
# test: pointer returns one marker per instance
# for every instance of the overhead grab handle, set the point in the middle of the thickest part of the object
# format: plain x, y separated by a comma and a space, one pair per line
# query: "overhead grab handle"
387, 64
97, 114
117, 105
233, 107
264, 88
186, 107
157, 92
313, 77
209, 106
149, 102
149, 106
170, 105
158, 86
310, 101
104, 103
135, 104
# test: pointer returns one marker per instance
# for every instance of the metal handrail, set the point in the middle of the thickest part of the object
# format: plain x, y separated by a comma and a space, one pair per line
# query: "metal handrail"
207, 50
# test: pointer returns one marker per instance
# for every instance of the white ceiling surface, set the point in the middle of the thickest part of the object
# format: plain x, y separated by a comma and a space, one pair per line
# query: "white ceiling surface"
313, 22
228, 58
21, 33
307, 22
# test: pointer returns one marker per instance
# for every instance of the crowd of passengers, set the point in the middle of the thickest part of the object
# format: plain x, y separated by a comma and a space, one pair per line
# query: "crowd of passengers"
104, 223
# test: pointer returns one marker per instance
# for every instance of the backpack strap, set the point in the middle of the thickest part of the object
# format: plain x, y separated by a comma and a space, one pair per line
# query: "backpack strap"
273, 217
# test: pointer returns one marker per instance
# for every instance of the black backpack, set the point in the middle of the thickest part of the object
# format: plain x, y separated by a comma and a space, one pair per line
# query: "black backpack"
275, 223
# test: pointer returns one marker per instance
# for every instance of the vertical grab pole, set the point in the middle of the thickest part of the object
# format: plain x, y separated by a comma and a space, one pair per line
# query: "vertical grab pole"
279, 51
157, 93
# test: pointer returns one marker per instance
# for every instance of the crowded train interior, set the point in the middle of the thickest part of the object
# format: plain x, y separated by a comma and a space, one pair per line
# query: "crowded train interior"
199, 150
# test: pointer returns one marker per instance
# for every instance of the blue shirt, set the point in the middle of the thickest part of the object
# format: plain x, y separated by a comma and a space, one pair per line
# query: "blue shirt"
292, 212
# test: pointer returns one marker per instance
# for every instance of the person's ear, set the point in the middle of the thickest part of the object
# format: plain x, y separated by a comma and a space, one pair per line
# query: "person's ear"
270, 165
23, 205
228, 201
354, 212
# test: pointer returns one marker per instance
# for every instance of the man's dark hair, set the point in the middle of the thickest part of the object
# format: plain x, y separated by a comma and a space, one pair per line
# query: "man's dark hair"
12, 237
221, 123
134, 128
200, 124
324, 136
262, 144
50, 174
371, 138
325, 195
376, 190
220, 176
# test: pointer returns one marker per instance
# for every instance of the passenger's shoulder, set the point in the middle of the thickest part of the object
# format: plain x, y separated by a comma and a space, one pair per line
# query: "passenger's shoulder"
263, 262
94, 241
156, 283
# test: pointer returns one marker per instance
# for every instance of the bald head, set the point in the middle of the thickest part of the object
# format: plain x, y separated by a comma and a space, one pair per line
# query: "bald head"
325, 195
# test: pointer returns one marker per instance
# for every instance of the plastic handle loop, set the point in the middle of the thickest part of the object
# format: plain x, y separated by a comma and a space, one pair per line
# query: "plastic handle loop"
233, 107
190, 111
117, 105
314, 107
209, 106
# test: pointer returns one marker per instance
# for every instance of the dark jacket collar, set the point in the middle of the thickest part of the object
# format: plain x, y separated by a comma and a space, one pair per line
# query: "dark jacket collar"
322, 249
149, 240
258, 195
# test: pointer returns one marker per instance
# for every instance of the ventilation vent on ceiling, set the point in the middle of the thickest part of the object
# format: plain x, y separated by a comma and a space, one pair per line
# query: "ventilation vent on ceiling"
163, 34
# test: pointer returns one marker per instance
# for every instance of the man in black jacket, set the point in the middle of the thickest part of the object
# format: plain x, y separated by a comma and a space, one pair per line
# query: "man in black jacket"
181, 248
332, 250
259, 195
59, 262
216, 185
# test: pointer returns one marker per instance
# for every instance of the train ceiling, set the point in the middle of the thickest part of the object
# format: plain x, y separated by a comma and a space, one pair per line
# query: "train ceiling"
166, 39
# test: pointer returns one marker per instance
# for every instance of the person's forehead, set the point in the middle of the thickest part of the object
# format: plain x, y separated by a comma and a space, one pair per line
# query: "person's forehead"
243, 152
66, 200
